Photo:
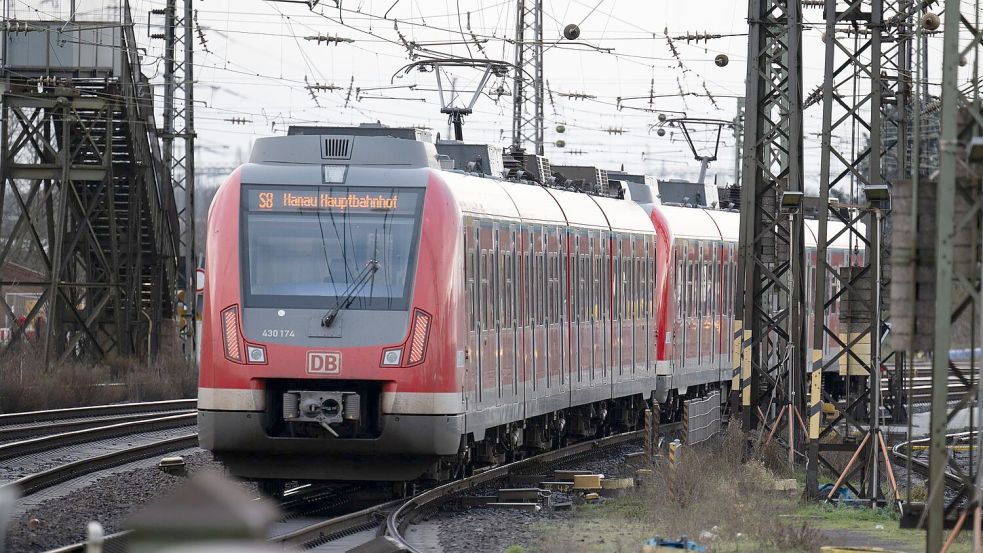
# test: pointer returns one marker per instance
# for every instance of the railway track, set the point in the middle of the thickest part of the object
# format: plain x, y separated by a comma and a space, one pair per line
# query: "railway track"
19, 426
41, 461
381, 527
916, 451
38, 481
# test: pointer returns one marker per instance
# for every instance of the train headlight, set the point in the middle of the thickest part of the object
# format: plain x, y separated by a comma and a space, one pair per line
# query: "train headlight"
418, 340
230, 334
392, 357
256, 354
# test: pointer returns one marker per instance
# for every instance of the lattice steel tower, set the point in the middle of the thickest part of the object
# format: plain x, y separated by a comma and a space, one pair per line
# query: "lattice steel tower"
527, 99
179, 128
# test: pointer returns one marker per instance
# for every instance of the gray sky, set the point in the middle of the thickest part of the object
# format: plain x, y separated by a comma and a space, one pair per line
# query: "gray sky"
250, 77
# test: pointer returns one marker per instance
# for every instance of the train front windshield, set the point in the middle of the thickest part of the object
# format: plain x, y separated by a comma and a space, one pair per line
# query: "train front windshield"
310, 247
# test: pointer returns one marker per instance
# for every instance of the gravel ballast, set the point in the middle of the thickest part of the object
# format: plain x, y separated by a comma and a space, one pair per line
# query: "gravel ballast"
110, 499
492, 530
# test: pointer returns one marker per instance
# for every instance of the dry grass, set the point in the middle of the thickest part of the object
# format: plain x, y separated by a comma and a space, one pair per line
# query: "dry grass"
720, 494
26, 386
730, 491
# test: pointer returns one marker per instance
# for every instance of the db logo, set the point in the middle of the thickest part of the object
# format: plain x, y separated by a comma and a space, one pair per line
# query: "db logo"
323, 362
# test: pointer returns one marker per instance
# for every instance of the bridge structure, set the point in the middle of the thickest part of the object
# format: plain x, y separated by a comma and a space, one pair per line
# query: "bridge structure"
84, 197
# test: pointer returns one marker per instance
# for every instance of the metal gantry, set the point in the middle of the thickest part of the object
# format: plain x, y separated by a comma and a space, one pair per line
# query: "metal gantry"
80, 196
527, 93
769, 341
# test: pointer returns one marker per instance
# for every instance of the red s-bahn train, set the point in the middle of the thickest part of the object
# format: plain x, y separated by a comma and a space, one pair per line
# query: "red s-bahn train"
370, 316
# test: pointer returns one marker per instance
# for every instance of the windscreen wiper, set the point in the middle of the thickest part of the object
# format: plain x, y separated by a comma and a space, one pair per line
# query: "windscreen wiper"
361, 279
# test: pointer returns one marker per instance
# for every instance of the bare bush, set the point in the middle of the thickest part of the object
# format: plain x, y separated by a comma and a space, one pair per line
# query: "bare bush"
27, 385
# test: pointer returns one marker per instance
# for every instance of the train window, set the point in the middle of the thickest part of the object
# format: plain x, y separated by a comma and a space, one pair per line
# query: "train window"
507, 298
490, 295
582, 291
502, 289
311, 257
482, 289
541, 283
547, 286
679, 281
605, 285
598, 290
469, 276
650, 308
615, 280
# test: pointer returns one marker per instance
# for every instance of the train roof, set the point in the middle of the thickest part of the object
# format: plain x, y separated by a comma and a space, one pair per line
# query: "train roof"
530, 202
701, 223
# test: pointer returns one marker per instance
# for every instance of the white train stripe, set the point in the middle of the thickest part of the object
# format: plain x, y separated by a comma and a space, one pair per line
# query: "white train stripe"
407, 403
230, 399
422, 403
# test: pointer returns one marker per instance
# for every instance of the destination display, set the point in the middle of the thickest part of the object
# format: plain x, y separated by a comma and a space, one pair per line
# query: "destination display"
339, 199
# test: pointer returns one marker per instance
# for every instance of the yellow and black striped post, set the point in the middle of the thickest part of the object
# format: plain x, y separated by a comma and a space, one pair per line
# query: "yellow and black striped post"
735, 383
674, 453
746, 371
815, 394
649, 427
685, 438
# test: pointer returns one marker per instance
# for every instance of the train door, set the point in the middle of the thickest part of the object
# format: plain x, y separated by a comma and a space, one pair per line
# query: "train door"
578, 242
692, 304
648, 303
709, 291
555, 379
614, 309
585, 330
487, 316
538, 354
720, 315
638, 317
471, 310
627, 323
507, 330
524, 295
601, 315
679, 292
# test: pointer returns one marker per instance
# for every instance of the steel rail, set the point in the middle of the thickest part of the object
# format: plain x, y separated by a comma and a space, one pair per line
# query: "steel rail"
403, 512
36, 482
58, 427
46, 443
921, 466
333, 528
428, 501
29, 417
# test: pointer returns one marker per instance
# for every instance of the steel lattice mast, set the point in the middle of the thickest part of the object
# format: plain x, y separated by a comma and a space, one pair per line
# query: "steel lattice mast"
957, 264
769, 355
178, 124
527, 99
865, 90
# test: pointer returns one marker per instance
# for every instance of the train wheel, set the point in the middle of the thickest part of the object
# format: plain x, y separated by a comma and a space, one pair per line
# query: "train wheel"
272, 488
